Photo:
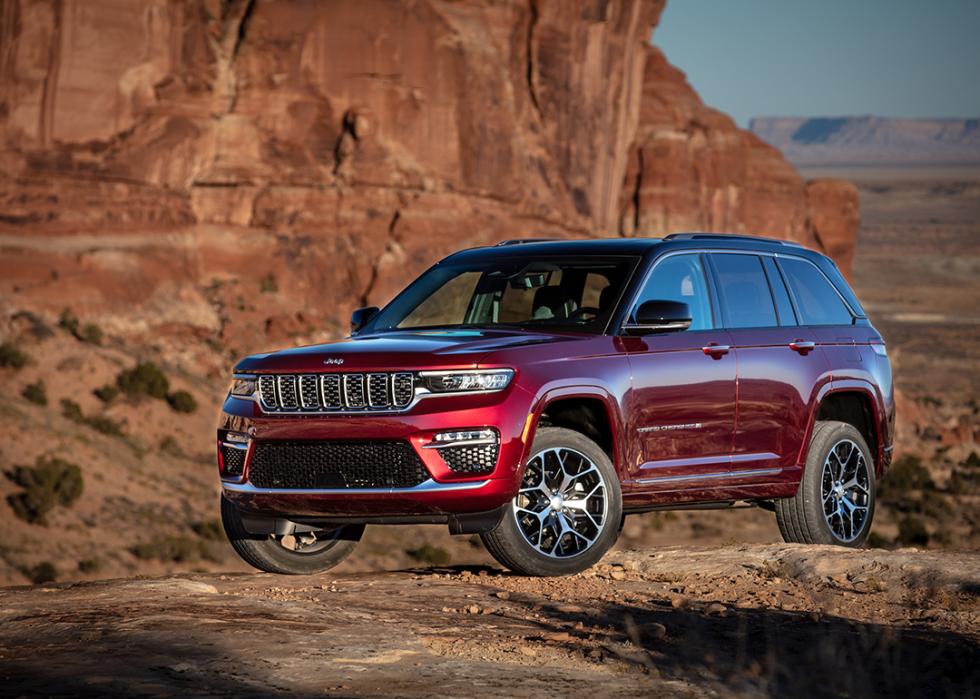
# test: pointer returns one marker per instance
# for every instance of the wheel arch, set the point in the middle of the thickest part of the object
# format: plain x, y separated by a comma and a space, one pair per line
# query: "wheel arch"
589, 410
856, 403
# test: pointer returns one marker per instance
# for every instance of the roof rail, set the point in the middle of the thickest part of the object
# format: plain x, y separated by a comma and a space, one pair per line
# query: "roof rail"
729, 236
521, 241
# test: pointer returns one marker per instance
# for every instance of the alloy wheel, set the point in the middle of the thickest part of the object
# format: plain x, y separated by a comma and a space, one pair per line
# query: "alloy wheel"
561, 506
845, 490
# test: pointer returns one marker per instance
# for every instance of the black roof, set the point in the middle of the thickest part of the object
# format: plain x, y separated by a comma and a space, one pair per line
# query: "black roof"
631, 246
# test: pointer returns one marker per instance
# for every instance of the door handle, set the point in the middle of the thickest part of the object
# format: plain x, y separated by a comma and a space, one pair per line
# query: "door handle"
716, 351
802, 346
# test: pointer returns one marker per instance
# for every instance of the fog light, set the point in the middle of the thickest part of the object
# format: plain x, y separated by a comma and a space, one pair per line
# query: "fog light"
239, 437
468, 451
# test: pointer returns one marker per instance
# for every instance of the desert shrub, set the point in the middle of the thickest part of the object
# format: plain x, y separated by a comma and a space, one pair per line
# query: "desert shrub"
145, 379
175, 549
877, 541
433, 555
912, 532
35, 393
43, 572
963, 482
972, 461
105, 425
170, 445
68, 320
934, 504
268, 284
107, 393
907, 473
100, 423
72, 410
89, 565
47, 484
90, 333
11, 357
38, 328
182, 402
210, 529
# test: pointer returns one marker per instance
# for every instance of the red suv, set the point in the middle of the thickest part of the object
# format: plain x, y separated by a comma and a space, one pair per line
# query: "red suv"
536, 392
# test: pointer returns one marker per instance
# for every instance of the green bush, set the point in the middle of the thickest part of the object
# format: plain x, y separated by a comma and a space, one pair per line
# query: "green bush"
182, 402
47, 484
912, 532
43, 572
90, 333
145, 379
210, 529
35, 393
972, 461
268, 284
907, 473
175, 549
11, 357
107, 393
68, 320
877, 541
72, 410
433, 555
100, 423
89, 565
964, 482
170, 445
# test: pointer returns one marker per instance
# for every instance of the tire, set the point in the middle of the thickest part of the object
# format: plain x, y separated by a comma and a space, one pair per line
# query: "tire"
821, 512
561, 453
267, 553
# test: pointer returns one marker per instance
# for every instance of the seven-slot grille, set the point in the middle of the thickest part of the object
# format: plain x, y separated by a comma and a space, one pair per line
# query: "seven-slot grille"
325, 393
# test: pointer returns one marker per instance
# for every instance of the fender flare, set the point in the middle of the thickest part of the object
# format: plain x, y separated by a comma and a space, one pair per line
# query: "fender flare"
550, 395
847, 386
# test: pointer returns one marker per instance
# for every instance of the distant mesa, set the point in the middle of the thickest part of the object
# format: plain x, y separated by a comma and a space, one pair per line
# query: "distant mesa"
872, 140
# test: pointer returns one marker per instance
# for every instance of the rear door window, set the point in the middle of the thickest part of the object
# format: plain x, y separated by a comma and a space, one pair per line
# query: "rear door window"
816, 299
744, 291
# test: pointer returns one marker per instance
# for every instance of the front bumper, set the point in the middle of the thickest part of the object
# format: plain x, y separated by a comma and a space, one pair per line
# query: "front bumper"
444, 493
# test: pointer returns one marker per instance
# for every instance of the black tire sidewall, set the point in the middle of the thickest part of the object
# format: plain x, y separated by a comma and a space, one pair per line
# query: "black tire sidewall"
268, 555
826, 435
507, 544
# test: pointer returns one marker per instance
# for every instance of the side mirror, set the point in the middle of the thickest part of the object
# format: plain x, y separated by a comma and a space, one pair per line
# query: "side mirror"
361, 317
659, 317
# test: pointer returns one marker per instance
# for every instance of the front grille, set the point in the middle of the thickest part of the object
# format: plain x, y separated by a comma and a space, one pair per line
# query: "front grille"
325, 393
317, 465
477, 458
233, 460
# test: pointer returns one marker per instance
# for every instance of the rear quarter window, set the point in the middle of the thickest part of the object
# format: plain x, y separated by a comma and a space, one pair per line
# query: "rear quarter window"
816, 299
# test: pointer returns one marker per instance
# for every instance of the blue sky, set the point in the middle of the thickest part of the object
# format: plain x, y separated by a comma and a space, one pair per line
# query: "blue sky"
899, 58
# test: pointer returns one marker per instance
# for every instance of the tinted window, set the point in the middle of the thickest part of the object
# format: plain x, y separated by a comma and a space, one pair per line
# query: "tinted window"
784, 308
572, 293
744, 291
680, 278
817, 300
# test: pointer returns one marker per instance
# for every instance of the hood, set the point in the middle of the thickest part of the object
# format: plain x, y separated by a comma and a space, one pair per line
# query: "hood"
420, 349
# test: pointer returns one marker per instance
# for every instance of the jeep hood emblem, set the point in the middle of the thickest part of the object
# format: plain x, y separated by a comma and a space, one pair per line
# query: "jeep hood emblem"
333, 360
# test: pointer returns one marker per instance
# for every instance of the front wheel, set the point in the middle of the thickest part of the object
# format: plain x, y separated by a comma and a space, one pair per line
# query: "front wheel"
567, 512
835, 502
294, 554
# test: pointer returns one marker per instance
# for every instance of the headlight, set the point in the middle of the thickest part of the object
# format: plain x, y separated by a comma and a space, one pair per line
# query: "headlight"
243, 386
459, 381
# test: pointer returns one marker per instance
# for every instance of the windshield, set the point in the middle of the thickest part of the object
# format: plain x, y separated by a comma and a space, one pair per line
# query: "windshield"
576, 294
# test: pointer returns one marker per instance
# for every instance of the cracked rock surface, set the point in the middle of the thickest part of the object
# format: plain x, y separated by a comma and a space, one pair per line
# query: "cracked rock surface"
776, 620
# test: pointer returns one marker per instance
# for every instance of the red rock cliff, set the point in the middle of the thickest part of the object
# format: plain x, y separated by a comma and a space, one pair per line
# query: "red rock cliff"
161, 157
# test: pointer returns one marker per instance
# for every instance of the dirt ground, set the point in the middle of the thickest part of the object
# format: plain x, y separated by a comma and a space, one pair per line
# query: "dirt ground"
750, 620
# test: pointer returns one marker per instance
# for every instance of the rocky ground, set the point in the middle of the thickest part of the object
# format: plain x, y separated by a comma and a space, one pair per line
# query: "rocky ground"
752, 620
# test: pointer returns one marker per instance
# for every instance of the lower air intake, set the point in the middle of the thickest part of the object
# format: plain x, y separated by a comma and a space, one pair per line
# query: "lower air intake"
308, 465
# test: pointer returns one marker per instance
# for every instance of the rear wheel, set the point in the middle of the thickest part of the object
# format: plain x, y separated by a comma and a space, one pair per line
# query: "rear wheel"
567, 512
294, 554
835, 502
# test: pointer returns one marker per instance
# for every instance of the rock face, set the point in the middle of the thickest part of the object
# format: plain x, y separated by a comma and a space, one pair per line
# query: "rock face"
692, 168
160, 158
872, 140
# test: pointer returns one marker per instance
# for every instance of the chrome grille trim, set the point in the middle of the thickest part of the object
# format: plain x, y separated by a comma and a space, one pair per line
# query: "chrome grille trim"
339, 393
378, 390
